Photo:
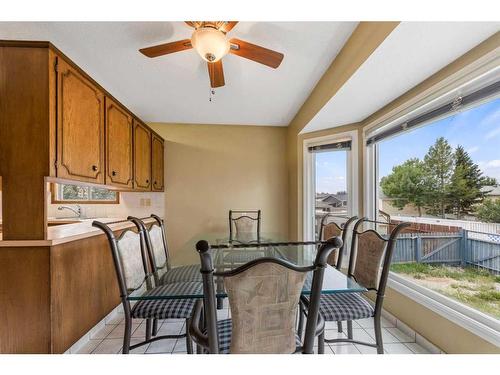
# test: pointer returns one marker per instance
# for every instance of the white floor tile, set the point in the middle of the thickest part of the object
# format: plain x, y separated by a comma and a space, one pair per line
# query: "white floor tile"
103, 332
117, 319
345, 349
366, 349
109, 346
161, 346
171, 328
362, 335
387, 337
89, 347
334, 334
400, 335
180, 346
397, 348
417, 349
119, 331
141, 349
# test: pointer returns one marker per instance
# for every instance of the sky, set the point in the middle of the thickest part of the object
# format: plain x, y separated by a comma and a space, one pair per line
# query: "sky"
477, 130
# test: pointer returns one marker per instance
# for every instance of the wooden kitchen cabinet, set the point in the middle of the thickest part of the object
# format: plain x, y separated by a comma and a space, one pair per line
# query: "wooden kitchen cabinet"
142, 157
80, 126
157, 163
119, 146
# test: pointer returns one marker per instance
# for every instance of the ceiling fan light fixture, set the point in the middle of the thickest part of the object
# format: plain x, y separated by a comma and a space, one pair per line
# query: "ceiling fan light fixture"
210, 43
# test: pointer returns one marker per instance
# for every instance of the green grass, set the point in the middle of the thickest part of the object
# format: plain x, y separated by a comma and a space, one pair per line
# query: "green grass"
476, 288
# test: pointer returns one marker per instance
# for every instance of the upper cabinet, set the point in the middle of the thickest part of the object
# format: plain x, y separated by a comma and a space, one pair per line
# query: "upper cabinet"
142, 156
80, 126
119, 146
157, 163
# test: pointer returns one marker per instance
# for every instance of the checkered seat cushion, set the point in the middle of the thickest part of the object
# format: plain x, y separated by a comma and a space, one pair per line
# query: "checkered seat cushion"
168, 308
344, 306
224, 328
181, 274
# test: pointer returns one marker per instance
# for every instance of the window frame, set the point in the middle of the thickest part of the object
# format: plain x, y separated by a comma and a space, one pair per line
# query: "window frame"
480, 73
309, 181
55, 199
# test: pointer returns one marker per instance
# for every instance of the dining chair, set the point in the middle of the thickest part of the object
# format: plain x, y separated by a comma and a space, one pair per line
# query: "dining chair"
159, 260
333, 225
369, 264
263, 297
135, 277
244, 224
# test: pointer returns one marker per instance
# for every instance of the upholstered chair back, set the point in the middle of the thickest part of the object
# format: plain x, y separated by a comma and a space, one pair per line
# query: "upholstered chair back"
244, 225
263, 301
130, 254
155, 233
369, 255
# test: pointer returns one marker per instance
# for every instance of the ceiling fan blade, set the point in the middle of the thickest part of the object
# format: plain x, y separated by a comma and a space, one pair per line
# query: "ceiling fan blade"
165, 49
227, 26
256, 53
216, 74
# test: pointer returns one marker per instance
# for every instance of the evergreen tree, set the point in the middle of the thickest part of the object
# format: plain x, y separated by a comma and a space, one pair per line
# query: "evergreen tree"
438, 167
465, 185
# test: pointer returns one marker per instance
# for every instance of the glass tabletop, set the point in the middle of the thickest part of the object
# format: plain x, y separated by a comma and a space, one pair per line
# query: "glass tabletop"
229, 253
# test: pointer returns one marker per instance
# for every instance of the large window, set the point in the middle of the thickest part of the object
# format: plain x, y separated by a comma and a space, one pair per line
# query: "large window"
65, 193
443, 177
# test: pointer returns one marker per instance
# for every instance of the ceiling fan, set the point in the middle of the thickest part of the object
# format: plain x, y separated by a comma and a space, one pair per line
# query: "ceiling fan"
210, 41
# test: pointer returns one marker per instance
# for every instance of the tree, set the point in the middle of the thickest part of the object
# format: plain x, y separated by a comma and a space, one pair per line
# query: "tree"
438, 166
489, 211
464, 188
488, 181
406, 184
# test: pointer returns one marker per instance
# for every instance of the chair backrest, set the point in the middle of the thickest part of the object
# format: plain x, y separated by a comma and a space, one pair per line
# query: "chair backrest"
244, 223
332, 226
156, 244
371, 256
129, 258
263, 296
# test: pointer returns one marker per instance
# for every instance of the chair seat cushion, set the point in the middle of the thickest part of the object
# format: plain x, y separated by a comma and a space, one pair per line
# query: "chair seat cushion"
168, 308
180, 274
344, 306
224, 328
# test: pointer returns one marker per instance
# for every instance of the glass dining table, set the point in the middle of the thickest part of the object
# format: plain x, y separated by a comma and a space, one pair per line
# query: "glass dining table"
229, 253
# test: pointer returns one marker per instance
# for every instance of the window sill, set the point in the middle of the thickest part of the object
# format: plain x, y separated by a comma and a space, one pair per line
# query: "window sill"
480, 324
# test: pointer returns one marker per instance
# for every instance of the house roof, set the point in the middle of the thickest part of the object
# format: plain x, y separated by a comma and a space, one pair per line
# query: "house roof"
491, 191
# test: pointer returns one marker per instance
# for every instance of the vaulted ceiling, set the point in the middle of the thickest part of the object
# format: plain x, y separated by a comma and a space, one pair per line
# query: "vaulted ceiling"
175, 88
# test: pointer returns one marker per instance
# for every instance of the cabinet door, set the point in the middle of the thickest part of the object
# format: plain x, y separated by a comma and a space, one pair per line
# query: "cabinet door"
80, 127
157, 163
142, 157
119, 152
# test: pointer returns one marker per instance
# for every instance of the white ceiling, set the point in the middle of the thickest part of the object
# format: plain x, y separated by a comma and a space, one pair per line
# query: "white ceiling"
410, 54
175, 88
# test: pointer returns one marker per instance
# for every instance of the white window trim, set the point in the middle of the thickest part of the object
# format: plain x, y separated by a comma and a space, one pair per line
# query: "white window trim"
309, 187
480, 324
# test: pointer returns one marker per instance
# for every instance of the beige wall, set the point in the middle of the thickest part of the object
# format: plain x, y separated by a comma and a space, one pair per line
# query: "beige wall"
211, 169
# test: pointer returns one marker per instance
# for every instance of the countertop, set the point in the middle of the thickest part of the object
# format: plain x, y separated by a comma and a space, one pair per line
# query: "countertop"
63, 233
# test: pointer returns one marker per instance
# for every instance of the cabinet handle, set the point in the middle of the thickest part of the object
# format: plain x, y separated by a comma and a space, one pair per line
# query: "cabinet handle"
94, 168
147, 181
114, 173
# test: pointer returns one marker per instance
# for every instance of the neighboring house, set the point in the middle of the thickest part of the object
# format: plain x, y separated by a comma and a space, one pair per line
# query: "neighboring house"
491, 192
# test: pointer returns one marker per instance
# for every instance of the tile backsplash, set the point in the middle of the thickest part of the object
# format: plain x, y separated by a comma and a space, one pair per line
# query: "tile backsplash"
135, 204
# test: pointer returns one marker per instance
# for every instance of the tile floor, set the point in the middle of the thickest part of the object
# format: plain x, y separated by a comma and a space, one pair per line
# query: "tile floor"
109, 339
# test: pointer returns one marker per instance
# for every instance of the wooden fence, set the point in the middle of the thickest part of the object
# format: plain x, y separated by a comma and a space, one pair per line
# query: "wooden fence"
449, 248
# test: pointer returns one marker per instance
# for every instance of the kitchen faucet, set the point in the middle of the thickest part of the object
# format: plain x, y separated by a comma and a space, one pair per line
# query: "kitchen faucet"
77, 211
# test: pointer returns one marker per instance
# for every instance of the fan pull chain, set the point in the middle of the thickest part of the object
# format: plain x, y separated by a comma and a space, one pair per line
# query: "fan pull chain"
211, 94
